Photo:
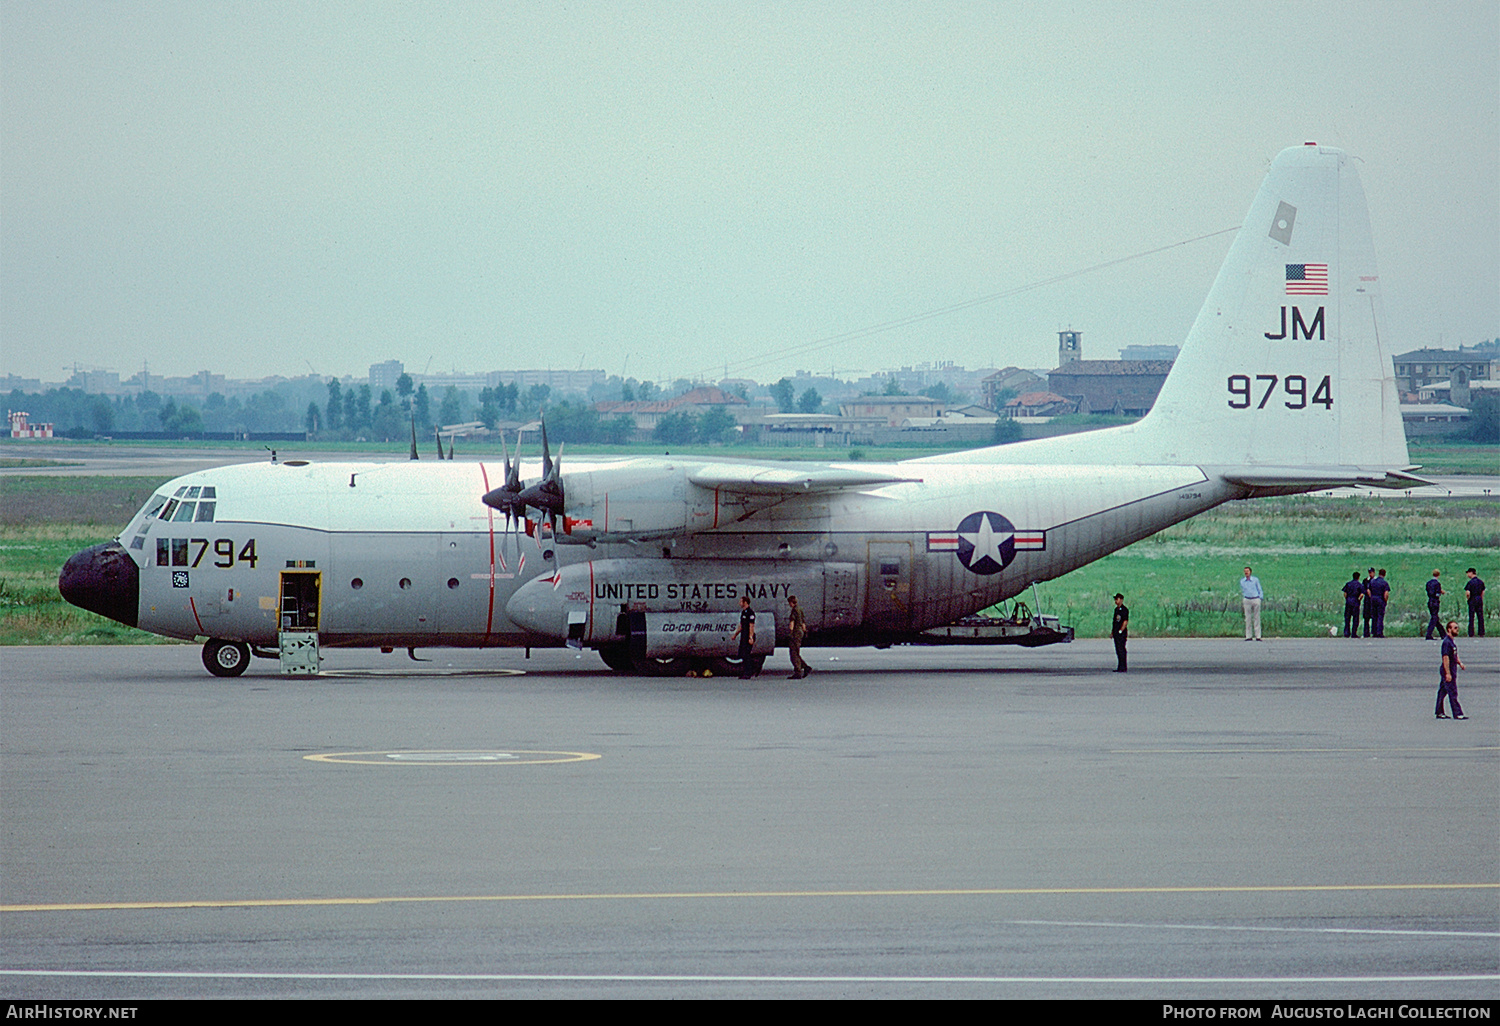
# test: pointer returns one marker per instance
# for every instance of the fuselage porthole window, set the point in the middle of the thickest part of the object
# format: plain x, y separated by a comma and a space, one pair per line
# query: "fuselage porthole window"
405, 583
357, 583
453, 582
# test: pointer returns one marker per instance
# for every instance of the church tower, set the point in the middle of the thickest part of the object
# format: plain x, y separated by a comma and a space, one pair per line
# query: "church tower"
1069, 347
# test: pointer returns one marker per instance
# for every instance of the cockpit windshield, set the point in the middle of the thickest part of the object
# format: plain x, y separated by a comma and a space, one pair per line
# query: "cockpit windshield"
186, 505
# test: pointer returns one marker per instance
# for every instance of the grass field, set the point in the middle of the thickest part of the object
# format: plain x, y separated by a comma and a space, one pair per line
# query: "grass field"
1180, 583
1184, 581
1454, 457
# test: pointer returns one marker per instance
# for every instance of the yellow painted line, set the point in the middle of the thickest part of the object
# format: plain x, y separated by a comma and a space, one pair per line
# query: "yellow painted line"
665, 895
451, 757
1298, 751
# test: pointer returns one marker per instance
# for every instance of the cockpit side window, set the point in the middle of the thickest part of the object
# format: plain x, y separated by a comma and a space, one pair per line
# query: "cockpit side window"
142, 519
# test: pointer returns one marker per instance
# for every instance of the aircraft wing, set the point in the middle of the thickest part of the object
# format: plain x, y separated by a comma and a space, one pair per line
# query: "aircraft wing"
751, 479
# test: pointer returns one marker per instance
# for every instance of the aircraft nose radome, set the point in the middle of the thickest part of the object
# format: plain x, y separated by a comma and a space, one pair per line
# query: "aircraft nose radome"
104, 580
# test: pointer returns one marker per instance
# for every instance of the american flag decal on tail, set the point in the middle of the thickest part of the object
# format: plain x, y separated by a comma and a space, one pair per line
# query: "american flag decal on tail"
1307, 279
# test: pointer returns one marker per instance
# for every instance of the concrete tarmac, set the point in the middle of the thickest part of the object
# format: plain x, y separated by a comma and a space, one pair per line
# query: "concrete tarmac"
1229, 819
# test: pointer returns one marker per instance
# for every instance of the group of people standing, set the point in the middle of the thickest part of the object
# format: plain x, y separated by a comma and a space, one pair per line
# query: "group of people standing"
1372, 595
1473, 590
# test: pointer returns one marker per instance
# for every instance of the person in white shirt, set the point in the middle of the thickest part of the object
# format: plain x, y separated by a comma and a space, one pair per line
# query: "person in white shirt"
1251, 594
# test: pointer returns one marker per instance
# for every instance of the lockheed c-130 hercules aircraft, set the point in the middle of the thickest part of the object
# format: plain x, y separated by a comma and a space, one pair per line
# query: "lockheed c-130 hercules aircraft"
1283, 386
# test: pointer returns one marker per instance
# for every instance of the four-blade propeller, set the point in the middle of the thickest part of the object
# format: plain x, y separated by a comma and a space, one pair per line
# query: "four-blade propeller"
514, 496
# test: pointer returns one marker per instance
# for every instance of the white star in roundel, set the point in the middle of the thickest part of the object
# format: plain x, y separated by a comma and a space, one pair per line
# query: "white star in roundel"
986, 542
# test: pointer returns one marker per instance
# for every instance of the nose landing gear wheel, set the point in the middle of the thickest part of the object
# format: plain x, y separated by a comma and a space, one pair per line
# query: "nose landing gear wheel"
226, 658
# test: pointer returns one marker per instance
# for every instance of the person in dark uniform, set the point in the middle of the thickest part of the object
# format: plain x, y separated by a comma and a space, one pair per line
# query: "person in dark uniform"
1380, 590
797, 630
1119, 630
745, 632
1369, 616
1354, 592
1448, 674
1435, 595
1474, 588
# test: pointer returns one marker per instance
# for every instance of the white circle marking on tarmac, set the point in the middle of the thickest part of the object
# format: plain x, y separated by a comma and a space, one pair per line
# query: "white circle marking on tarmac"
483, 757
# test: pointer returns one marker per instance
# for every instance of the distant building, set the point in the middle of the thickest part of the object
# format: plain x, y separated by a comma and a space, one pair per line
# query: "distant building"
21, 427
1422, 419
1040, 404
96, 382
890, 410
13, 383
557, 380
1422, 367
1123, 387
1011, 379
648, 413
384, 375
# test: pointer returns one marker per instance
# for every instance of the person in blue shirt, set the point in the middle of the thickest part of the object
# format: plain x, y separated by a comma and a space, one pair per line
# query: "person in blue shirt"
1354, 591
1369, 617
1474, 588
1379, 591
1435, 595
1448, 673
1251, 595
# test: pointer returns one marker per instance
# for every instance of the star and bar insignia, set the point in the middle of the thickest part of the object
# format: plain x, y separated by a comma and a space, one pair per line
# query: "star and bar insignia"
986, 542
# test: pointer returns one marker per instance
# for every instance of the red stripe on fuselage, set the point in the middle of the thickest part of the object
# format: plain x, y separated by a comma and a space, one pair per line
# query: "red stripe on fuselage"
489, 616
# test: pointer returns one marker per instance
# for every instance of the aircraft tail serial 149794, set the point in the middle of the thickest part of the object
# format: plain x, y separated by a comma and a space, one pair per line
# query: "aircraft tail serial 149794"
1282, 386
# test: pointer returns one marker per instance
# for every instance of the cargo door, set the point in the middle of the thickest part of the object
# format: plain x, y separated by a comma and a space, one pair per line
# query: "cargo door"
888, 597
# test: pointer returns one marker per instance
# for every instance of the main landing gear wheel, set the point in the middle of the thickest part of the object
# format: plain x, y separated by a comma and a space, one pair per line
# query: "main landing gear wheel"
617, 658
727, 667
650, 666
226, 658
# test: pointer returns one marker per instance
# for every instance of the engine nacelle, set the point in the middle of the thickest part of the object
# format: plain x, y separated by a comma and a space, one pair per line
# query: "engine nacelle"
645, 499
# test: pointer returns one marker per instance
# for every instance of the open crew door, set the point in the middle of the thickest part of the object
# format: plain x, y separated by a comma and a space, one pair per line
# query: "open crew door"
297, 621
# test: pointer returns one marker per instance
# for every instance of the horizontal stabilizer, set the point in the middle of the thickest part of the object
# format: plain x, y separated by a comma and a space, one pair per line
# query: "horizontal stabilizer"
1322, 477
760, 480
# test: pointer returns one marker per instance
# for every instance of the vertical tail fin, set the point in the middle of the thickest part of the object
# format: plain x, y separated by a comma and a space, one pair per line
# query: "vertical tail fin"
1285, 365
1284, 378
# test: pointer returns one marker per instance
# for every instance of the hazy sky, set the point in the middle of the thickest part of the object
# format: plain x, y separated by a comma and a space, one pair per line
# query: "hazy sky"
666, 189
